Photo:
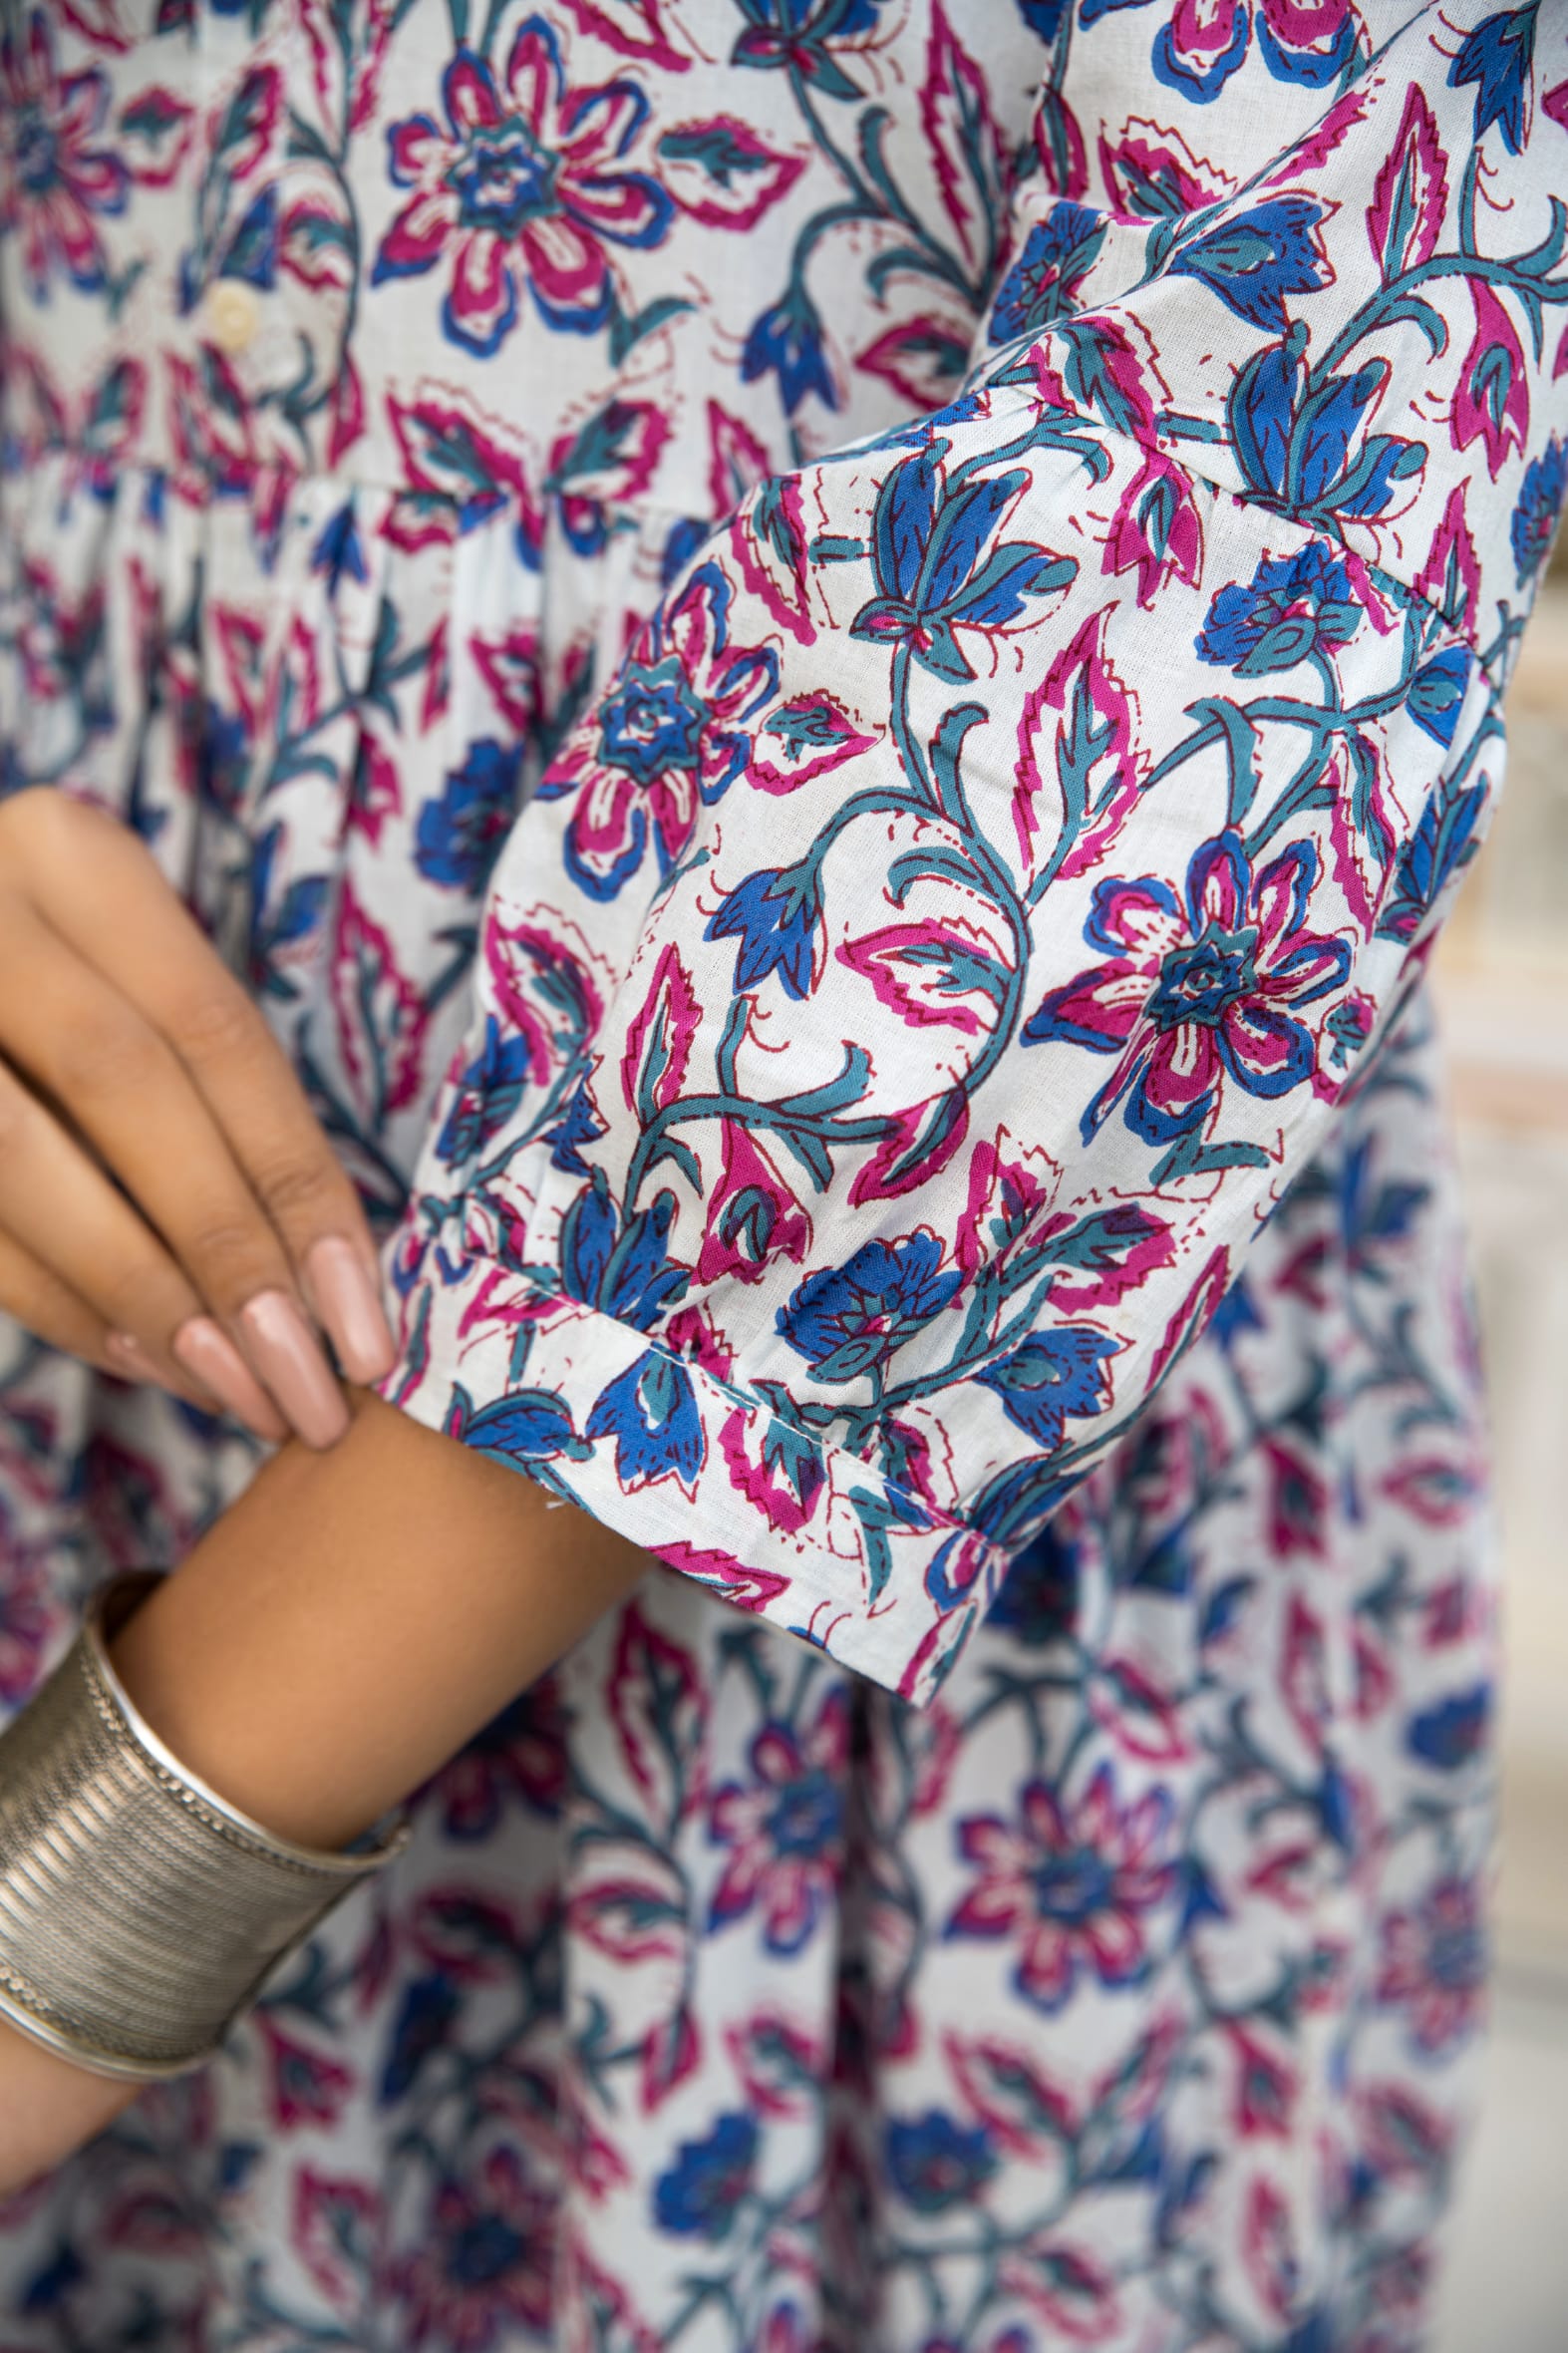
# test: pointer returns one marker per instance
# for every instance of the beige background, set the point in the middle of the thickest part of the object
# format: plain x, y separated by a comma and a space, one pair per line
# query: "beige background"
1503, 979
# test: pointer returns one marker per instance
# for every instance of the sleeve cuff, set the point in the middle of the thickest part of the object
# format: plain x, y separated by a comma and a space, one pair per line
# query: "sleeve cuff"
701, 1475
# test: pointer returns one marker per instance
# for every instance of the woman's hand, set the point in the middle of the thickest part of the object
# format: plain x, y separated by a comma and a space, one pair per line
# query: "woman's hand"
333, 1638
168, 1205
47, 2109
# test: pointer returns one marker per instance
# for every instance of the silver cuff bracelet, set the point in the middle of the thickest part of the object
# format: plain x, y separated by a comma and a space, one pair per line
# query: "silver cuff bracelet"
140, 1912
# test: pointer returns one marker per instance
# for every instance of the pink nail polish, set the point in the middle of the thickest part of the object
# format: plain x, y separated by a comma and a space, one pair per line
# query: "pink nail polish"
131, 1359
349, 1304
285, 1353
211, 1357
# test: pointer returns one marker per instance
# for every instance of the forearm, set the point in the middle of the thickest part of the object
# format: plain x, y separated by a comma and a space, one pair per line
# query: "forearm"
357, 1616
327, 1646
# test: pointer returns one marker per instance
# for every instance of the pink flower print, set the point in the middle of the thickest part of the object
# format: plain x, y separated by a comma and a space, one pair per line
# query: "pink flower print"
776, 2060
940, 971
1434, 1965
1265, 2087
720, 171
519, 1758
785, 1830
304, 2086
1081, 762
1021, 2106
333, 2229
521, 184
1491, 401
668, 734
54, 182
1157, 531
1073, 2296
924, 358
1152, 173
59, 642
612, 458
753, 1216
777, 1470
804, 738
484, 2267
1012, 1191
1404, 2139
458, 456
1450, 578
1198, 989
1205, 41
1072, 1885
28, 1624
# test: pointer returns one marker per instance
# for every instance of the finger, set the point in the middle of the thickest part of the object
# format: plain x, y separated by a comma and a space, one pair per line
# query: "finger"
74, 1248
45, 1306
128, 1092
48, 1308
122, 918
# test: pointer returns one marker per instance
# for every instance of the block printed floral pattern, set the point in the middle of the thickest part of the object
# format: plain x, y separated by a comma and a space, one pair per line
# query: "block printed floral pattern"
830, 663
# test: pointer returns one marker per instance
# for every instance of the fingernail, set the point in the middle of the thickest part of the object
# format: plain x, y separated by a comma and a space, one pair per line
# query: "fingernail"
349, 1304
127, 1356
211, 1357
293, 1366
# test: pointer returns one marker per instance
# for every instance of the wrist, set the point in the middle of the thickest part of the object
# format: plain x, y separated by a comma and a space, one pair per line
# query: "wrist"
47, 2107
356, 1617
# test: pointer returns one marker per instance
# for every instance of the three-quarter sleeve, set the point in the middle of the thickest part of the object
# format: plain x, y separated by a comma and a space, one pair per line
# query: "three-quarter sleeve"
937, 948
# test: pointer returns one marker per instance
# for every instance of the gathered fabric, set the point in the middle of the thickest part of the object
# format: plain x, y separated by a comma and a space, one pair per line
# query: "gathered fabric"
831, 666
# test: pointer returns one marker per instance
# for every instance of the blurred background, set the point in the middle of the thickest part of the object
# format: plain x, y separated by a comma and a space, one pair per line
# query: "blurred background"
1503, 982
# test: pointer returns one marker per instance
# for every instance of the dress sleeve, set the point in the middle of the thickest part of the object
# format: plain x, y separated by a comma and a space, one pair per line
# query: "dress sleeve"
931, 958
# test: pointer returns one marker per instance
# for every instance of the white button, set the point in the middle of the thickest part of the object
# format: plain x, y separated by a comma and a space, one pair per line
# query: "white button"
232, 313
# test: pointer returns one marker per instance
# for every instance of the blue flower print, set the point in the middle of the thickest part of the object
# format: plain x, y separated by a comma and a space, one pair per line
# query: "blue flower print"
648, 721
526, 1425
774, 915
1050, 1375
670, 736
702, 2192
487, 1095
846, 1321
522, 187
627, 1270
1198, 49
56, 181
1294, 607
423, 2025
1437, 692
1071, 1882
1304, 444
783, 1826
855, 900
935, 568
1497, 58
1449, 1734
1253, 260
1058, 255
799, 36
460, 834
1198, 990
786, 342
934, 2164
1435, 1963
651, 1413
1535, 519
1445, 841
1036, 1599
480, 2270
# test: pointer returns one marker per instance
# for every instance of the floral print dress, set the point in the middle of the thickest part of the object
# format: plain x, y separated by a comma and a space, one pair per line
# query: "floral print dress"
831, 662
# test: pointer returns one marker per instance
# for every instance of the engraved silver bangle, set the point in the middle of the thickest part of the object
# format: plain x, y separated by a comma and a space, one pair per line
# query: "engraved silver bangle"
140, 1912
